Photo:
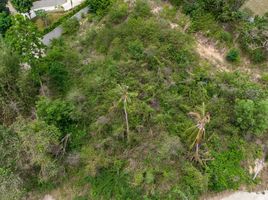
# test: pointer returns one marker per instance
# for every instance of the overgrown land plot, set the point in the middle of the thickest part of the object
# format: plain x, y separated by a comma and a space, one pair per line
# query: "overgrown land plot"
138, 100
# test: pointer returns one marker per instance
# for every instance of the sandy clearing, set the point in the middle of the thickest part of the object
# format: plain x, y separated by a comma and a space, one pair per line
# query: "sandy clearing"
241, 195
258, 7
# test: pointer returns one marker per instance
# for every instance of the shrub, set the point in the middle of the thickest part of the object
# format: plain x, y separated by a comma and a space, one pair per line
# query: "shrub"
56, 112
225, 170
258, 56
3, 7
136, 49
264, 77
22, 6
98, 6
70, 26
193, 183
112, 184
5, 22
36, 138
251, 116
202, 21
118, 12
142, 9
64, 18
176, 2
11, 185
58, 77
233, 55
225, 37
9, 148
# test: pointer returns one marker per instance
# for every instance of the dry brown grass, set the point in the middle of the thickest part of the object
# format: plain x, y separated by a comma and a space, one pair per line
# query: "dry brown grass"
52, 18
258, 7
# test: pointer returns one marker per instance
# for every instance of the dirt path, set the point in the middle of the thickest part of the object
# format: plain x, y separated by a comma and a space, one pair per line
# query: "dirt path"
240, 195
209, 51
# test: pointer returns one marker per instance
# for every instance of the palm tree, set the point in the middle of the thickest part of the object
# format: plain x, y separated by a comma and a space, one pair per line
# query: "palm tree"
197, 132
125, 99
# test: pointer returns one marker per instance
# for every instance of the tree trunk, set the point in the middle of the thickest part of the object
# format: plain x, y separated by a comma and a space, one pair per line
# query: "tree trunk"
126, 119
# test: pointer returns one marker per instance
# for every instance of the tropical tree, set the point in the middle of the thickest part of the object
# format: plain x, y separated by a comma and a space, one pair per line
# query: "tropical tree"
37, 140
125, 98
252, 116
11, 185
197, 131
5, 22
24, 38
9, 91
22, 6
98, 6
5, 19
3, 7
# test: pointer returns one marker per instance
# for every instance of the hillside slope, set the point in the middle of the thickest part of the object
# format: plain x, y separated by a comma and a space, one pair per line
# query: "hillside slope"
130, 106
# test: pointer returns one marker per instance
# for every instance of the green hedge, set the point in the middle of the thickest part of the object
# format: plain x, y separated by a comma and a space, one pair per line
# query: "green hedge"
64, 18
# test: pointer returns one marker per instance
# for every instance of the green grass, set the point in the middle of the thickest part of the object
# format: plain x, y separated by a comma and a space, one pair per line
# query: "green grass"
51, 19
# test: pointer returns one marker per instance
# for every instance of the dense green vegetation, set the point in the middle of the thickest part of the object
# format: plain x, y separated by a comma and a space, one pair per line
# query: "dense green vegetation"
5, 19
123, 107
221, 19
22, 6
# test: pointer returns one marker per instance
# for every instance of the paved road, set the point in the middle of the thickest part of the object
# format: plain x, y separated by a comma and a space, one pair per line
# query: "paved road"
57, 32
53, 5
47, 3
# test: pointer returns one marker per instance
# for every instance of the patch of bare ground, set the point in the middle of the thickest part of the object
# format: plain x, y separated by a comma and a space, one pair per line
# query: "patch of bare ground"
208, 50
217, 196
259, 189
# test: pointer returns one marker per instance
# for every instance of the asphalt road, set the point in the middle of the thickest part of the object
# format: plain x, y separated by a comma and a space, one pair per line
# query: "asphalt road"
57, 32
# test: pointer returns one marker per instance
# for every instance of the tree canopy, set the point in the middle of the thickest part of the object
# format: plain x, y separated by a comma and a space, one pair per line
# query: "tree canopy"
22, 6
24, 38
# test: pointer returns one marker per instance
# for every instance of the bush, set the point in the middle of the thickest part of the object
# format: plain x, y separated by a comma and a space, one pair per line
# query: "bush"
5, 22
113, 184
64, 18
142, 9
98, 6
251, 116
225, 170
70, 26
136, 49
58, 77
118, 12
57, 112
36, 139
3, 7
176, 2
225, 37
258, 56
233, 55
22, 6
11, 185
193, 183
264, 77
202, 21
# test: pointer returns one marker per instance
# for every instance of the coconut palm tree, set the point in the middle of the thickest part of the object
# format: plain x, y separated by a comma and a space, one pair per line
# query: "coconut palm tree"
197, 132
125, 98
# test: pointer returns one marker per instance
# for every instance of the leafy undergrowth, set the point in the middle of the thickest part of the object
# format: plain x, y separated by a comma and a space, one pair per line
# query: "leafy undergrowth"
119, 91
